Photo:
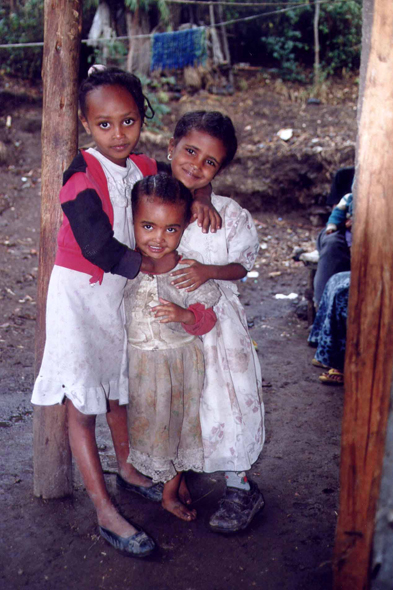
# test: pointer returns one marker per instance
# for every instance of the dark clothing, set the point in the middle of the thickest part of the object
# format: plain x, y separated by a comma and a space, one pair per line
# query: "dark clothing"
334, 257
341, 185
334, 248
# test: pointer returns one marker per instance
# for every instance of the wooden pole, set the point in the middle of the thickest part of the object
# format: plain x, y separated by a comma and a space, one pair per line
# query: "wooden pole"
63, 24
225, 44
132, 31
218, 57
369, 357
316, 42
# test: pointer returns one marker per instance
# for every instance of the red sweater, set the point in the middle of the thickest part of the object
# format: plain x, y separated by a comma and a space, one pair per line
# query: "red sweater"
85, 240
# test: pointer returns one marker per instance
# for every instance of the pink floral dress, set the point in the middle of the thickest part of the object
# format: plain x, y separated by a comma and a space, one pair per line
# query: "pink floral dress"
231, 410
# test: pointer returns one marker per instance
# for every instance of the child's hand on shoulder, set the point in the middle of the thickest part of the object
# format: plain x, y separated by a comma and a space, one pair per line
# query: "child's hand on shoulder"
170, 312
203, 211
193, 276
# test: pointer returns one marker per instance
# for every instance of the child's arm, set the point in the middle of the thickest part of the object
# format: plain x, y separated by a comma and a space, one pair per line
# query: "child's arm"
194, 275
203, 211
239, 251
339, 214
196, 319
95, 237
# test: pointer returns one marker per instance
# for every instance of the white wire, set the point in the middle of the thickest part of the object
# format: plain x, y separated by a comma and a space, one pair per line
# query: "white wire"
149, 35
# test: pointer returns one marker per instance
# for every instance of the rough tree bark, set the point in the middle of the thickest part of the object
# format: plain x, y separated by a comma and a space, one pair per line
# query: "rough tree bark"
63, 24
138, 58
369, 357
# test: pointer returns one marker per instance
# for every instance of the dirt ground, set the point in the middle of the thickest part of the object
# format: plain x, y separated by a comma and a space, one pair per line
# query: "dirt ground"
54, 544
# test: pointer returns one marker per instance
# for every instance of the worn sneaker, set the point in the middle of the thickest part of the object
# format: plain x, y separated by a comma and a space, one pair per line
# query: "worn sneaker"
237, 509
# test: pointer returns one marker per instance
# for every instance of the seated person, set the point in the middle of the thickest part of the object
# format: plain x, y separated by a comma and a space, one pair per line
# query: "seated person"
329, 330
333, 248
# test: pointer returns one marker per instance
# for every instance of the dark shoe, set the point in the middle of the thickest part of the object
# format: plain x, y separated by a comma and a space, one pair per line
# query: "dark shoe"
153, 493
138, 545
237, 509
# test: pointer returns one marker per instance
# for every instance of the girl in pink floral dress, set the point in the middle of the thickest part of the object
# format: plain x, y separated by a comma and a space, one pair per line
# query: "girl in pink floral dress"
232, 412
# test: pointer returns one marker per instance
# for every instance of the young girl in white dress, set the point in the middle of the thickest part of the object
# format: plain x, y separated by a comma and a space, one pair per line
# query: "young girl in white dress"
166, 365
232, 412
85, 357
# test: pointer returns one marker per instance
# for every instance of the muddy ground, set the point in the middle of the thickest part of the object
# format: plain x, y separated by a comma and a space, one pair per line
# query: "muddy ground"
54, 544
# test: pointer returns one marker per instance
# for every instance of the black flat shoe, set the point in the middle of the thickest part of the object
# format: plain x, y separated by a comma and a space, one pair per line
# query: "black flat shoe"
153, 493
138, 545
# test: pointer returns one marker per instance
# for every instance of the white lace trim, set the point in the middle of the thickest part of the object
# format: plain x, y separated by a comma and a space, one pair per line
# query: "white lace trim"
164, 469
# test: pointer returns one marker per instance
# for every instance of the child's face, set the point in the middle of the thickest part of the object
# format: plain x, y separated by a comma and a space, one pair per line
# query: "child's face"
196, 158
158, 226
114, 121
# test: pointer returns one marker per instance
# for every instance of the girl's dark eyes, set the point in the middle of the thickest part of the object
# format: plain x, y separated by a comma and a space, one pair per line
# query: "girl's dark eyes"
192, 153
171, 230
126, 122
147, 226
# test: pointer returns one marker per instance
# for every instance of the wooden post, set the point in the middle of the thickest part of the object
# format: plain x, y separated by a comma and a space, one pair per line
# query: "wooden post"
132, 30
225, 44
369, 357
316, 42
63, 24
218, 57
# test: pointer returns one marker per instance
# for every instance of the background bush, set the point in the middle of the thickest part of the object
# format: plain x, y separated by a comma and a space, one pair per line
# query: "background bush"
26, 25
283, 41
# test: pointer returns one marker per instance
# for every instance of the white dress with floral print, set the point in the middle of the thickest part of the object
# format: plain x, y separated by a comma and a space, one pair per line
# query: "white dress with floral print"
231, 412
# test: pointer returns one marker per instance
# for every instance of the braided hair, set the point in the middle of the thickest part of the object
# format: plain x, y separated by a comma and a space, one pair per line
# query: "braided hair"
101, 76
165, 188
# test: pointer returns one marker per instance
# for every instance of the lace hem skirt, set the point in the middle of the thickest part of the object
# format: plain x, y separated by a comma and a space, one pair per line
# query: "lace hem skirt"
163, 413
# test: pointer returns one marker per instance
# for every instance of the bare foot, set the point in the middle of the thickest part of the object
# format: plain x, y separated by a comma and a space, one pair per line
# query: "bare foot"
174, 506
109, 518
184, 493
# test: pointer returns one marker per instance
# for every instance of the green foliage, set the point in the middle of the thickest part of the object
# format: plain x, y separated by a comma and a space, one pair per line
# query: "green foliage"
283, 49
340, 34
111, 53
146, 4
24, 26
289, 42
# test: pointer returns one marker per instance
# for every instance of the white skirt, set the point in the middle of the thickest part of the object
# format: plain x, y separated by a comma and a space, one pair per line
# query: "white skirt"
232, 411
85, 356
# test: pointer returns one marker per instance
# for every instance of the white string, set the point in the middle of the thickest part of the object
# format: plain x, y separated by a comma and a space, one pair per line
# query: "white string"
150, 35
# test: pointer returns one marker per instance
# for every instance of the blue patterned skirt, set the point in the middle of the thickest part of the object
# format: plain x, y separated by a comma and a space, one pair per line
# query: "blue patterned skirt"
329, 330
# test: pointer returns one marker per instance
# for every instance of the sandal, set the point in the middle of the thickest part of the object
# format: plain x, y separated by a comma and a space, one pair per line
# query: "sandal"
137, 545
332, 377
319, 364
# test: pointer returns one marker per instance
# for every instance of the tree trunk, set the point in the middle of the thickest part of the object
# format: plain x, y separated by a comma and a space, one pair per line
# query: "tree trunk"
225, 45
63, 24
138, 58
316, 42
369, 356
218, 57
